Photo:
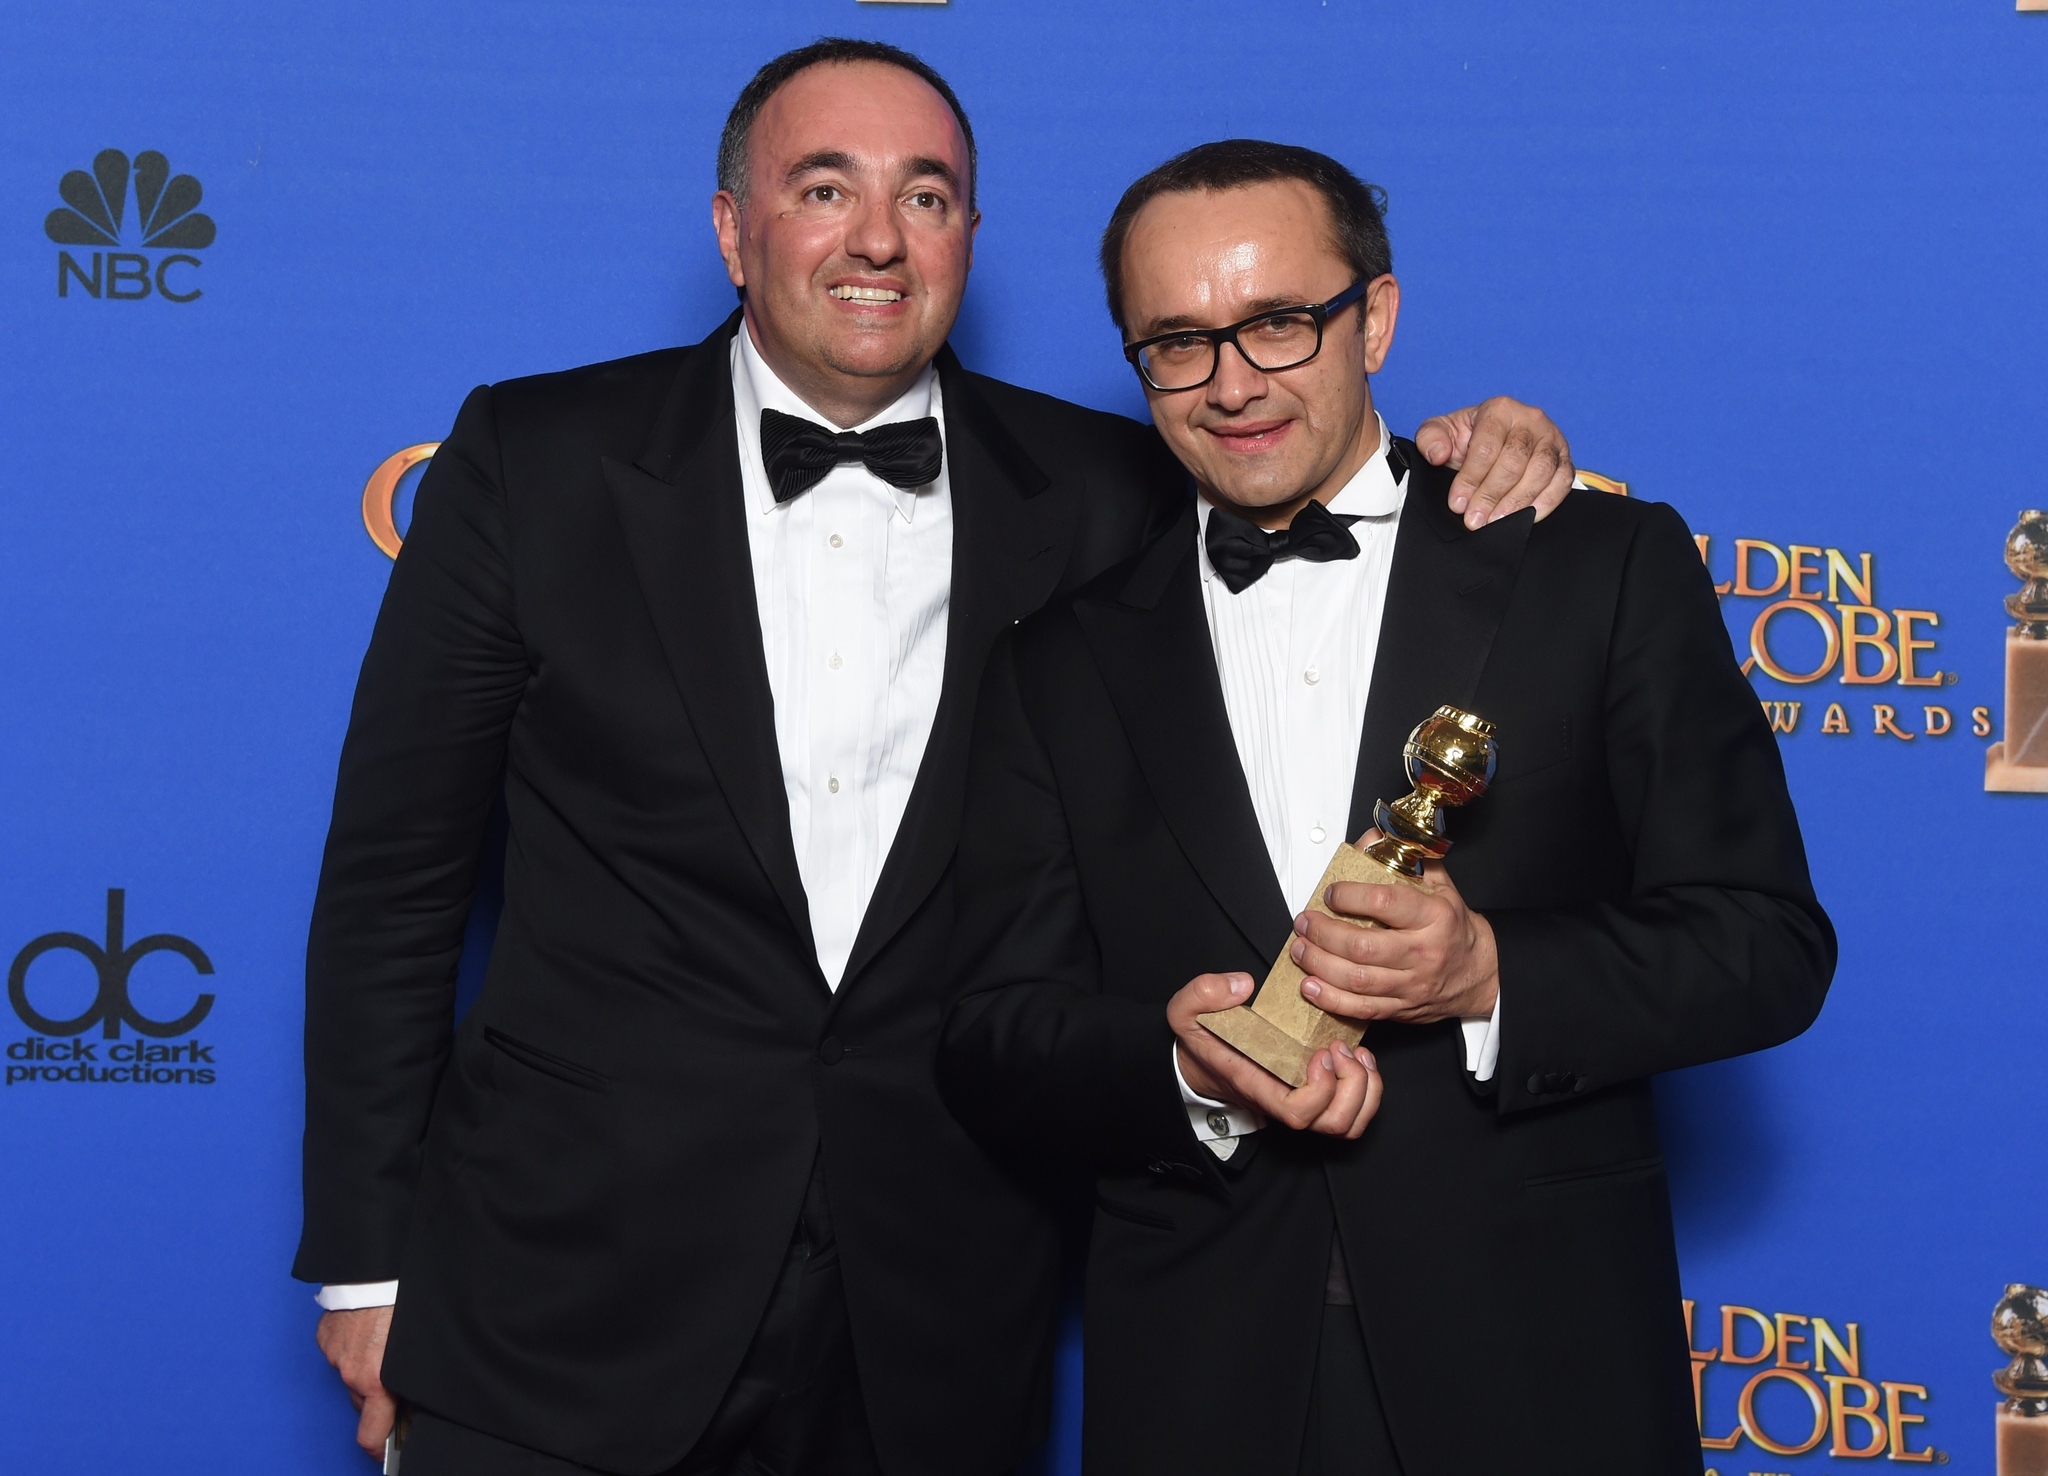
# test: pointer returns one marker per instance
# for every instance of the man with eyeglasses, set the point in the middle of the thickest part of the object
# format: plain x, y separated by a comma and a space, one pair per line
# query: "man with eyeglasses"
679, 1194
1450, 1252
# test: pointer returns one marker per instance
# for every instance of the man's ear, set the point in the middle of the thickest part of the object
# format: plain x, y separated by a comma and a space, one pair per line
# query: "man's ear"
725, 221
1382, 306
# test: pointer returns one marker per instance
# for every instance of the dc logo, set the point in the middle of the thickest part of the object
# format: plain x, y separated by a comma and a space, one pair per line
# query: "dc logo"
113, 962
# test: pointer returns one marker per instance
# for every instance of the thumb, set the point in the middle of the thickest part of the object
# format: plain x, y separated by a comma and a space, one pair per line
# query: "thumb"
1221, 991
380, 1412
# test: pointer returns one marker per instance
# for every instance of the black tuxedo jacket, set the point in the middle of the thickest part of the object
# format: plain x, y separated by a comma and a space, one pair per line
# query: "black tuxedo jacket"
586, 1190
1509, 1245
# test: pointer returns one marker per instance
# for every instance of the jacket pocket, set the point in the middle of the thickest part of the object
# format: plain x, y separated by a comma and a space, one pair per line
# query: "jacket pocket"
546, 1062
1132, 1214
1572, 1178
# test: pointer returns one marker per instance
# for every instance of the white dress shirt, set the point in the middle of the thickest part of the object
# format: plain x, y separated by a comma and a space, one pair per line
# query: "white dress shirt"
853, 580
1295, 653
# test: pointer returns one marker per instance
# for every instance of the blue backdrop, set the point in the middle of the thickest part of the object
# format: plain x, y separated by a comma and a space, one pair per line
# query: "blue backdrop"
1778, 265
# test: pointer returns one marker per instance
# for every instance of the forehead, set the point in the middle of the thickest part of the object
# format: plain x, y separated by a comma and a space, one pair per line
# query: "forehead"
1194, 247
874, 112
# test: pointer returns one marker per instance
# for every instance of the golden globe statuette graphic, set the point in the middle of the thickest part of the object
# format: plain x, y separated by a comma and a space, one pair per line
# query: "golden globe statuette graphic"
2020, 763
2019, 1325
1449, 757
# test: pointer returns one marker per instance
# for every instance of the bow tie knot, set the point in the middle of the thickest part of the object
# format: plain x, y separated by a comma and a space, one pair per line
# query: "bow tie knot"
800, 453
1241, 551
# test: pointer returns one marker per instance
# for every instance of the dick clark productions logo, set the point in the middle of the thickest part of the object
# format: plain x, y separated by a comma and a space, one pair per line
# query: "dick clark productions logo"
165, 225
59, 1051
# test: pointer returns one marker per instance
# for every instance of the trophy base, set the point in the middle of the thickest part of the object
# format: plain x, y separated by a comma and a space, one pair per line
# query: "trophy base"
1279, 1029
1273, 1048
2001, 777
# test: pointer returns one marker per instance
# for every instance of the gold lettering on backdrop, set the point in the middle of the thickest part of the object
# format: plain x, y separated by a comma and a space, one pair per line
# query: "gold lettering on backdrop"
1777, 1354
382, 491
1760, 649
1884, 721
1862, 643
1745, 551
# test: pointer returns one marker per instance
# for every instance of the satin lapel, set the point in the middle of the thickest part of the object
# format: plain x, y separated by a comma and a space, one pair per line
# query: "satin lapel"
683, 509
1151, 643
1446, 594
1011, 532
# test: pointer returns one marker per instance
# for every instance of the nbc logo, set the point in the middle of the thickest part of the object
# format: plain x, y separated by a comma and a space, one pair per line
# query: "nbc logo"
95, 214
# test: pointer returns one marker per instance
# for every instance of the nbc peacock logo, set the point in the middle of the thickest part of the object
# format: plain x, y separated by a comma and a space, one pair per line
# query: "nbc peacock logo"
160, 233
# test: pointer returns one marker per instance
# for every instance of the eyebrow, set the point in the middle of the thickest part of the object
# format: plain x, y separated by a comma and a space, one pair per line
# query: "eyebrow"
817, 160
1252, 310
829, 159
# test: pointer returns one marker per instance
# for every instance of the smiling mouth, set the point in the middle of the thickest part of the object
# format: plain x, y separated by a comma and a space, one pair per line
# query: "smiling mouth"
1250, 437
865, 294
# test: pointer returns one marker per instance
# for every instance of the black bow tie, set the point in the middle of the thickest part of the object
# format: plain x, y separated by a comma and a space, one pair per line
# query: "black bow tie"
1241, 551
799, 453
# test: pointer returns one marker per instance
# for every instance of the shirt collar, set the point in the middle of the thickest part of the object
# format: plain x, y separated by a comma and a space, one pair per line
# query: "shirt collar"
1372, 492
756, 387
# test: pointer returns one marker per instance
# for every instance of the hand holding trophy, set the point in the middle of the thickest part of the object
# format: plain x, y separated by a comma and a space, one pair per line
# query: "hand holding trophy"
1450, 759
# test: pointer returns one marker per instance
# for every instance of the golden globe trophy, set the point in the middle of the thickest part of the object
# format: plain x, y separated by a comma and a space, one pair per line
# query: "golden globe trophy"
2019, 1325
2020, 763
1449, 758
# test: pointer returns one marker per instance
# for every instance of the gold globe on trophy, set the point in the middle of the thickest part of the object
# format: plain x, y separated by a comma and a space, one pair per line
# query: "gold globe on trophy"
1450, 758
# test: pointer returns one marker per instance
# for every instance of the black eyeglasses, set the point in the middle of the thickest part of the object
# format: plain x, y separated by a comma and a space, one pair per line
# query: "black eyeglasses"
1281, 339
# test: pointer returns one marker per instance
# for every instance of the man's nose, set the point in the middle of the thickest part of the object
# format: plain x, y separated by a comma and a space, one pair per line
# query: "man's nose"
1236, 383
875, 234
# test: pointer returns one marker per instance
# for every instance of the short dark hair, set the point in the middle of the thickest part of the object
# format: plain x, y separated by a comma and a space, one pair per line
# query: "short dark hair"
739, 123
1357, 209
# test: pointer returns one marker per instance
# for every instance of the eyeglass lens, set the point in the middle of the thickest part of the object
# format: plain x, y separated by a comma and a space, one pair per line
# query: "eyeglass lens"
1277, 341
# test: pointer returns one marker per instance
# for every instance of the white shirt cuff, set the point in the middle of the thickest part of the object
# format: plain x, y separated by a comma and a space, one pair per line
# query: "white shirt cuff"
351, 1296
1217, 1125
1482, 1043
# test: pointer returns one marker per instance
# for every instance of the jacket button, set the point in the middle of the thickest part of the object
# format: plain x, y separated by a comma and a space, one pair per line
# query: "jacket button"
1535, 1084
831, 1051
1578, 1083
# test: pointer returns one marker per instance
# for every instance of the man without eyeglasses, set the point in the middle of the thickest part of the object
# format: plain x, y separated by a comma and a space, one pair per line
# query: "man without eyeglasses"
1449, 1250
679, 1193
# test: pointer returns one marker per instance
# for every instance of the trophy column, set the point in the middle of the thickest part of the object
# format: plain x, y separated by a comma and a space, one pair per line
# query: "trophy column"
2020, 763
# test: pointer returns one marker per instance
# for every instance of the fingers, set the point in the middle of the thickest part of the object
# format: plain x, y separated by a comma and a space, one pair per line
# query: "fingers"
1363, 1003
1390, 906
1559, 486
1443, 438
380, 1413
1244, 1080
1518, 458
1482, 449
1507, 486
1335, 1120
1375, 1089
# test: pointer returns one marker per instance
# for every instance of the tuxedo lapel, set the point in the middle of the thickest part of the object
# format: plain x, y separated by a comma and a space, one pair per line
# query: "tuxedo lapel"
683, 509
1446, 593
1151, 643
1011, 533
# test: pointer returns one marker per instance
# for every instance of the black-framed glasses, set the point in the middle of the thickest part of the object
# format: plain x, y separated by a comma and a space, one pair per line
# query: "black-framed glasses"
1281, 339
